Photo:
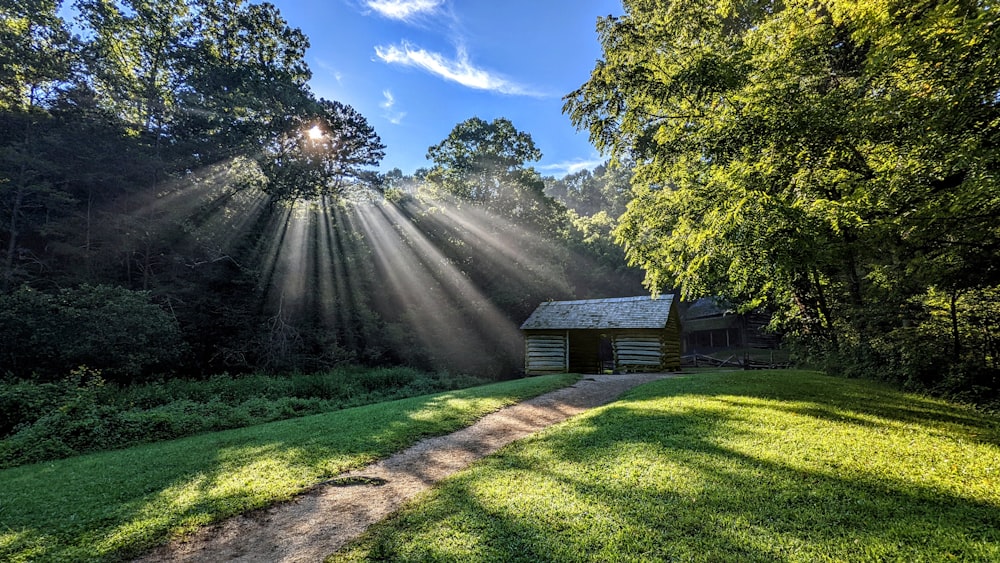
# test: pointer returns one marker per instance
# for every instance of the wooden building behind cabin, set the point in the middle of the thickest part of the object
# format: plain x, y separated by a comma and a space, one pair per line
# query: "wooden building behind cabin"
595, 335
708, 325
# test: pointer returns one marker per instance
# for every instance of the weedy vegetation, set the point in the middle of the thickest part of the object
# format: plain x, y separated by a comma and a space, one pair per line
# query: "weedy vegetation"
83, 413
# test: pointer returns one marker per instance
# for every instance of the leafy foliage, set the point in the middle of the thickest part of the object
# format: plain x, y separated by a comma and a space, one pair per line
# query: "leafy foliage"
82, 413
35, 53
324, 155
118, 332
834, 159
486, 163
606, 189
155, 146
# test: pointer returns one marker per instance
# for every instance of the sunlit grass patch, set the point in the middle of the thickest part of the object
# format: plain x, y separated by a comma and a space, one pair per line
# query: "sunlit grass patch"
113, 505
761, 466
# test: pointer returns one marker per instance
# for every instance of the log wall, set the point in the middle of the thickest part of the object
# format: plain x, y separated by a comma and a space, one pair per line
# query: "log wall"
545, 353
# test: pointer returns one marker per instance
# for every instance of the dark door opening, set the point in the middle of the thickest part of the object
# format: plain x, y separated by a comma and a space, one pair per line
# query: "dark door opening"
606, 354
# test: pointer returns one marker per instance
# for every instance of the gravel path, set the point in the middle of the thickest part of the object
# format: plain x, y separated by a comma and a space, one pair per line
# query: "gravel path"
319, 522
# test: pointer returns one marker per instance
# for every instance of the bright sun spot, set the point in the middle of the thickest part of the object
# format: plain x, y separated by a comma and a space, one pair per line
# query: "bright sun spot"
315, 133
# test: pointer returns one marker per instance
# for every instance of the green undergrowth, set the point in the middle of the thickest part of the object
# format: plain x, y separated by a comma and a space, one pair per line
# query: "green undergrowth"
113, 505
738, 466
82, 413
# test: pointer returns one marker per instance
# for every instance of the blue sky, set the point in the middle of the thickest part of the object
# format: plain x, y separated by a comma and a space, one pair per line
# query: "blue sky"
416, 68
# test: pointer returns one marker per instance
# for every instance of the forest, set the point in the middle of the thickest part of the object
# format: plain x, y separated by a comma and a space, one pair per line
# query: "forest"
175, 202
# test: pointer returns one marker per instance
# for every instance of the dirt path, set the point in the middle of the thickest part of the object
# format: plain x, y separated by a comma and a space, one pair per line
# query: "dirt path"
323, 520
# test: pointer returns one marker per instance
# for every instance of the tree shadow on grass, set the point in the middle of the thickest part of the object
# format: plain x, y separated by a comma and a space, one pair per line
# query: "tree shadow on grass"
740, 493
633, 482
859, 401
136, 505
115, 505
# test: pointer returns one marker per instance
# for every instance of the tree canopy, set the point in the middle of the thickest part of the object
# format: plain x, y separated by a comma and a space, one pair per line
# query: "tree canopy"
487, 163
835, 159
139, 145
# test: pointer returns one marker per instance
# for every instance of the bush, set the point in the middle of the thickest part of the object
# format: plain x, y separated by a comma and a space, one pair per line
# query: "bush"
81, 413
942, 343
385, 378
25, 402
117, 331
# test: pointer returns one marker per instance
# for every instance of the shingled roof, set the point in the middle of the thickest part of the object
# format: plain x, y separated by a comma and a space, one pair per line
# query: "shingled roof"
620, 312
705, 307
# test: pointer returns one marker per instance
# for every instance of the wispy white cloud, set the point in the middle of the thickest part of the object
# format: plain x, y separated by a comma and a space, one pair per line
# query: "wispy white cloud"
460, 70
330, 69
388, 102
404, 10
569, 167
389, 99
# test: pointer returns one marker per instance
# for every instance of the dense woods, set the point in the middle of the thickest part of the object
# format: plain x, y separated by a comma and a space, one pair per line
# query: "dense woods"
836, 160
174, 201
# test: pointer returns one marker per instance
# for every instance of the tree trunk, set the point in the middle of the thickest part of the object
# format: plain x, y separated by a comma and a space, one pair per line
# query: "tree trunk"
12, 233
15, 210
956, 341
826, 318
853, 277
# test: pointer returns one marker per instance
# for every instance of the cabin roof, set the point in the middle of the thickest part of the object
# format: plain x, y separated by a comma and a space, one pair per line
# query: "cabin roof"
704, 307
619, 312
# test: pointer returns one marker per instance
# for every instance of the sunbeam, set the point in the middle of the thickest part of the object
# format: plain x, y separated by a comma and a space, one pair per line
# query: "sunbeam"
522, 255
453, 320
439, 285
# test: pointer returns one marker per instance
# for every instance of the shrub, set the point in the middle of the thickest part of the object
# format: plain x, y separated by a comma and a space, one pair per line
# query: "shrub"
24, 402
80, 413
117, 331
386, 378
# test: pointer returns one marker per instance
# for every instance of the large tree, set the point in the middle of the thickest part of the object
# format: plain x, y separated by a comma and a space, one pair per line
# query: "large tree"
36, 53
328, 151
133, 57
605, 188
488, 163
836, 158
244, 82
36, 59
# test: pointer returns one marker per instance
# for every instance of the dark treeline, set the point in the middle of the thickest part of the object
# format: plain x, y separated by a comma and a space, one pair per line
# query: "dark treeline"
175, 201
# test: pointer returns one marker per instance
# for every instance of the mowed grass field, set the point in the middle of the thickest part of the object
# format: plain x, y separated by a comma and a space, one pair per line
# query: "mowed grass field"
740, 466
114, 505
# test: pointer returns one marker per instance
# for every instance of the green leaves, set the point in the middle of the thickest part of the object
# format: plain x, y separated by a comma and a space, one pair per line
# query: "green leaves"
486, 163
112, 329
327, 152
786, 152
35, 53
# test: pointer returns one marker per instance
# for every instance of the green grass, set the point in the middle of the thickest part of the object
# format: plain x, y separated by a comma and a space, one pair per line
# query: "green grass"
113, 505
739, 466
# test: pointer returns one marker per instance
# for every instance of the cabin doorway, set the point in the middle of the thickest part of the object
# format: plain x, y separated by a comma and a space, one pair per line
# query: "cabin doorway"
584, 352
606, 354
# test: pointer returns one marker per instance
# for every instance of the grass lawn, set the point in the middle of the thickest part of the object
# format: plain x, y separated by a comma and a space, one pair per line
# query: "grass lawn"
738, 466
113, 505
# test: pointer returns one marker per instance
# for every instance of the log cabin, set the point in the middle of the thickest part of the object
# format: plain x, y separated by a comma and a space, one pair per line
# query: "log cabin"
623, 334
